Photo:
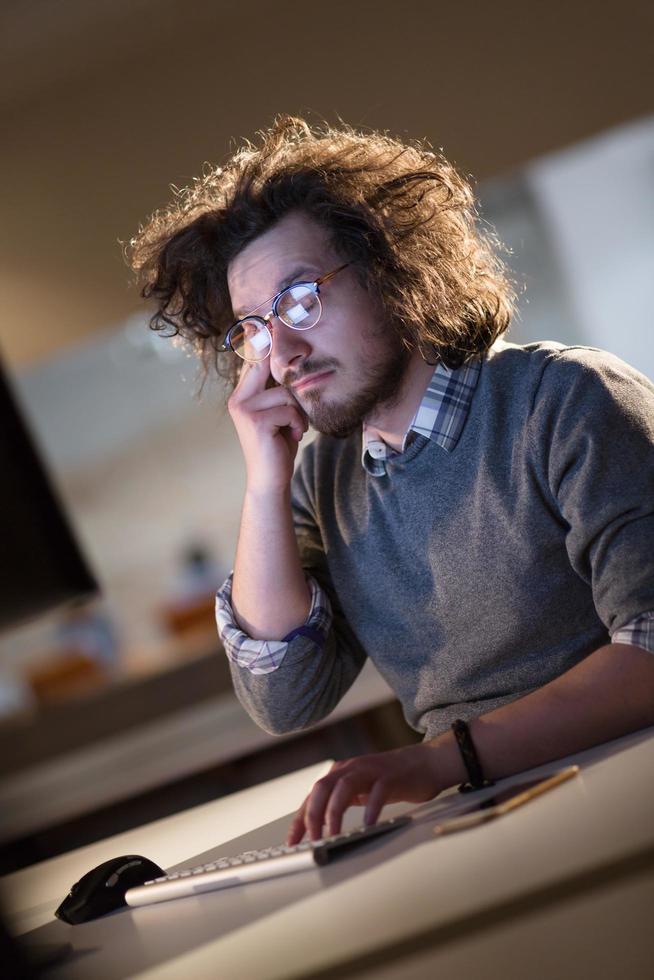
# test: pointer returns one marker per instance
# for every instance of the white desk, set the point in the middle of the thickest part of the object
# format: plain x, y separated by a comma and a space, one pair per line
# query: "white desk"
563, 887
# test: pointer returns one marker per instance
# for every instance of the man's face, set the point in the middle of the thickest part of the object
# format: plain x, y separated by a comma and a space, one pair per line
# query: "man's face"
351, 362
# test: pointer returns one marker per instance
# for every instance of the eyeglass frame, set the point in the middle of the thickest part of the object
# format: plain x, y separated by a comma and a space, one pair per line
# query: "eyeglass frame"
315, 286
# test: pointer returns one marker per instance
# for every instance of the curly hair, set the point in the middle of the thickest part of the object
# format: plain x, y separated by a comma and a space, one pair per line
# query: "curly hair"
400, 214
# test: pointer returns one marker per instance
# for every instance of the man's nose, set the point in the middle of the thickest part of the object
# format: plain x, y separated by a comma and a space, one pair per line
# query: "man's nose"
289, 347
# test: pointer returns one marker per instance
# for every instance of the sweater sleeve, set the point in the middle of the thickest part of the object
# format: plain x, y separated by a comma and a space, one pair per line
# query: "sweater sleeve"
291, 684
592, 424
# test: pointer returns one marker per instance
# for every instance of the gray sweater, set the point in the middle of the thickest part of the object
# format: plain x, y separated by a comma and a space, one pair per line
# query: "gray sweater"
474, 576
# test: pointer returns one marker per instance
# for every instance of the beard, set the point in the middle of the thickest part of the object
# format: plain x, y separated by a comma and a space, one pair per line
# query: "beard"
380, 384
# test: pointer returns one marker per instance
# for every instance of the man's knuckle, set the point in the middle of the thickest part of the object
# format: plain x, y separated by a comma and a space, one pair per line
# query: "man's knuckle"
234, 406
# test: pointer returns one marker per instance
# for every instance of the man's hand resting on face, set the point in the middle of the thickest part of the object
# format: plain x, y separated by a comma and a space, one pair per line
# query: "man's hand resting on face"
406, 774
270, 424
270, 595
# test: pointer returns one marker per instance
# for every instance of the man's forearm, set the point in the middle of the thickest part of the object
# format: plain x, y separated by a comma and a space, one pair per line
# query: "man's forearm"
608, 694
270, 593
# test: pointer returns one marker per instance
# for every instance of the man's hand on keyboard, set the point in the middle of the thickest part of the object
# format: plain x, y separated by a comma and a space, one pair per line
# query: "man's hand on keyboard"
407, 774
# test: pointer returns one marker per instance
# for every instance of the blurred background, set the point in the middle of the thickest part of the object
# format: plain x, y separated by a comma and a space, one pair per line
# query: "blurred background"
118, 708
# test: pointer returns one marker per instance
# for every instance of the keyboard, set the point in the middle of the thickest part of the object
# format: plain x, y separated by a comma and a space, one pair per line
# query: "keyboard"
270, 862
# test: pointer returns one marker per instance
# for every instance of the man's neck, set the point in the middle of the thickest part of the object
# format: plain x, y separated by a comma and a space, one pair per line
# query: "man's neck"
391, 421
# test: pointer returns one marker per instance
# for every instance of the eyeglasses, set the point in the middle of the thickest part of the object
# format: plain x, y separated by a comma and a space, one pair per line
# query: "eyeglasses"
298, 307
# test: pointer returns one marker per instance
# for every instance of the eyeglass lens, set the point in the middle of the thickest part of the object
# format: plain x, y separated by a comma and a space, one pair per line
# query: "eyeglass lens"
298, 307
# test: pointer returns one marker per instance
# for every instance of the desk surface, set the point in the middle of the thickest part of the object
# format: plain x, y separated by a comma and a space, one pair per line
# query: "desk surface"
578, 856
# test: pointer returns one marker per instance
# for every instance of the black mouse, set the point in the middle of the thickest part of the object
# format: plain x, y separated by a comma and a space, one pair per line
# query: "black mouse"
102, 889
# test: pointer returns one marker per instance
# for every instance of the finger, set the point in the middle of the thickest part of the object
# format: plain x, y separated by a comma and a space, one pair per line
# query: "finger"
298, 828
253, 378
272, 397
283, 417
260, 401
379, 794
348, 791
314, 814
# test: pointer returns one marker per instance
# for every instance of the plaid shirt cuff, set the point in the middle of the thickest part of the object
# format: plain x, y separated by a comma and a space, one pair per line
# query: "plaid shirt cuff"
639, 631
264, 656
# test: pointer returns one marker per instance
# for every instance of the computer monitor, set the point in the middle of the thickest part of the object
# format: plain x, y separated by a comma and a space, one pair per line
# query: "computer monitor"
41, 565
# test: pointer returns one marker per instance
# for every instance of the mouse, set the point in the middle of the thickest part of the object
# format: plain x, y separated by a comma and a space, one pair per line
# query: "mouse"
102, 889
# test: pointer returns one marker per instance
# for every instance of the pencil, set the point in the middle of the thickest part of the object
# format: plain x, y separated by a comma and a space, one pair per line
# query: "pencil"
477, 817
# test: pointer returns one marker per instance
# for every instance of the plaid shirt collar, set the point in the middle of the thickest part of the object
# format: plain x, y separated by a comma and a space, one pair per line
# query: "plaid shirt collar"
440, 417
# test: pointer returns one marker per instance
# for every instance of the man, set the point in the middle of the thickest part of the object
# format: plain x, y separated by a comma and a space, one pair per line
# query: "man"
474, 516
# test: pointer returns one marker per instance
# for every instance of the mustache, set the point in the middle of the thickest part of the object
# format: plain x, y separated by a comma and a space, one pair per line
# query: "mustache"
291, 377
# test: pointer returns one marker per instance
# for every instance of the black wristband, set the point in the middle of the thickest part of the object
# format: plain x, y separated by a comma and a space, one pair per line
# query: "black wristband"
470, 758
